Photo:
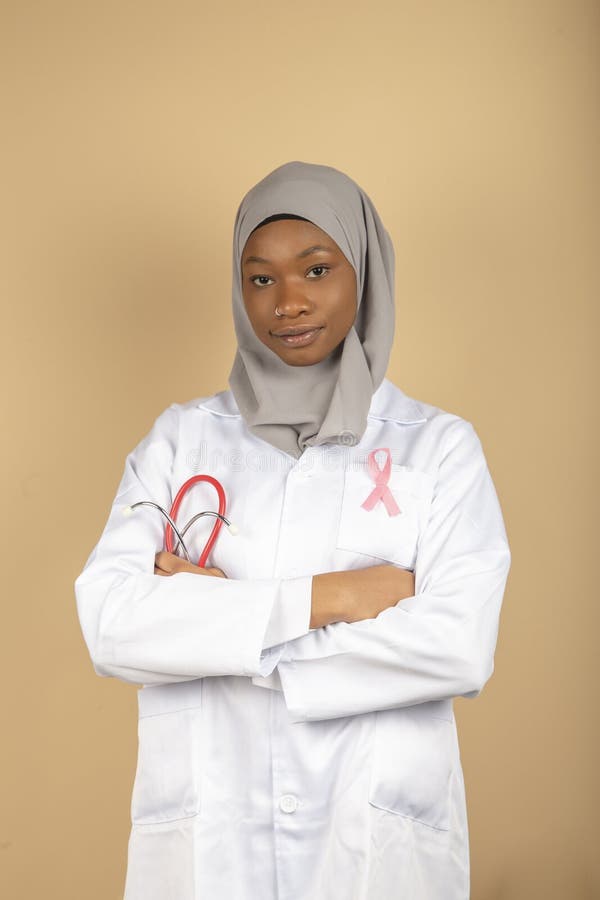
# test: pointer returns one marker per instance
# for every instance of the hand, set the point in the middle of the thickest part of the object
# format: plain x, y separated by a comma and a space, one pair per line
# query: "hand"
376, 588
169, 564
356, 594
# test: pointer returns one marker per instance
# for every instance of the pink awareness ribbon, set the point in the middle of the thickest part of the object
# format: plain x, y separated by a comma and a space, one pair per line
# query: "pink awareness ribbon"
381, 477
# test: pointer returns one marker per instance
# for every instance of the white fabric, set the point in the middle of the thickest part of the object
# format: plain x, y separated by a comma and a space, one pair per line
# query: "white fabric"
278, 762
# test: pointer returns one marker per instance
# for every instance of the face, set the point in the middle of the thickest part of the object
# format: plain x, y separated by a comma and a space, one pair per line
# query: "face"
314, 290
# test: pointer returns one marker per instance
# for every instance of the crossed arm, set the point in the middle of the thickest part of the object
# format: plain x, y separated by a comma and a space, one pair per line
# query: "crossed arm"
378, 637
346, 596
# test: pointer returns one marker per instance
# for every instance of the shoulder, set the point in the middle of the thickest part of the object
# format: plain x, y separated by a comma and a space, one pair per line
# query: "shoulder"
443, 431
206, 414
221, 403
391, 402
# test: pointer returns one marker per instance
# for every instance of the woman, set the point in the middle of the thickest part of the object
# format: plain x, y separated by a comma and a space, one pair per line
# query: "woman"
296, 731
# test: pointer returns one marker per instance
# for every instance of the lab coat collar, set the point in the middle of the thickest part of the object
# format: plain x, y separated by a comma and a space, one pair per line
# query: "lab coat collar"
388, 402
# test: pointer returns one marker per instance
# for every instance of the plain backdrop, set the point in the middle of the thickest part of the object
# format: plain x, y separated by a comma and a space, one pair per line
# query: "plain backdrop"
130, 133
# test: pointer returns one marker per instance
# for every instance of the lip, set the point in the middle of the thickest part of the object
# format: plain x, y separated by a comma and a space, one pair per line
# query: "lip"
295, 329
301, 337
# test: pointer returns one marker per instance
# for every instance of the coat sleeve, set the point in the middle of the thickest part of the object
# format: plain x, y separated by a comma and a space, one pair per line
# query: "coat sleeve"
151, 629
440, 642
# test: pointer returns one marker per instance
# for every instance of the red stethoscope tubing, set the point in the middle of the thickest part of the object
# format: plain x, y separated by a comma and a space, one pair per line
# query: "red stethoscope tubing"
218, 522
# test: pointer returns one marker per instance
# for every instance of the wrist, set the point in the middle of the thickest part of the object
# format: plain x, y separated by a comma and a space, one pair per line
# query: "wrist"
329, 598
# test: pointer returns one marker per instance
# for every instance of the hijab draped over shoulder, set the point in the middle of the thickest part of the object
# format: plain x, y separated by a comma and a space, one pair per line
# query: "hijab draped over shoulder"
293, 407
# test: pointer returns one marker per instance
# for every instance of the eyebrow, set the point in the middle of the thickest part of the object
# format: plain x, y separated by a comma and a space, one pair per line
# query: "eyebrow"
307, 252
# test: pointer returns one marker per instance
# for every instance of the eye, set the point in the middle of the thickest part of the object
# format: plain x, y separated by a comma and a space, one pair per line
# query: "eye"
325, 269
259, 276
267, 278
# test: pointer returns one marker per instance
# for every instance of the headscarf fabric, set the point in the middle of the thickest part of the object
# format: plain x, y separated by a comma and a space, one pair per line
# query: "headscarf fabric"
293, 407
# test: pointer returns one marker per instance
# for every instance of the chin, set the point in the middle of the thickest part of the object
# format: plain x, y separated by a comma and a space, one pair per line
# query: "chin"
299, 364
295, 358
298, 358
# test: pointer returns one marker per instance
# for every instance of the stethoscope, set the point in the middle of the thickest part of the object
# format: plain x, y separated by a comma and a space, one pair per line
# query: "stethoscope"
171, 527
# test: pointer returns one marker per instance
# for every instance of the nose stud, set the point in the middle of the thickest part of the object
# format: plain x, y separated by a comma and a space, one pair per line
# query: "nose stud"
278, 314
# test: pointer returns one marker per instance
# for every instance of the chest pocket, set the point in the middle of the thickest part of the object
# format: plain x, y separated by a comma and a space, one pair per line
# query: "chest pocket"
166, 785
375, 533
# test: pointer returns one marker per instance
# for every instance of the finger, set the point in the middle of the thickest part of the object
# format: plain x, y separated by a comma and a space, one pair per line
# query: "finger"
176, 564
164, 561
170, 563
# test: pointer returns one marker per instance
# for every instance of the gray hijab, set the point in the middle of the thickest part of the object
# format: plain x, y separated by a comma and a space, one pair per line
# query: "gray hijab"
292, 407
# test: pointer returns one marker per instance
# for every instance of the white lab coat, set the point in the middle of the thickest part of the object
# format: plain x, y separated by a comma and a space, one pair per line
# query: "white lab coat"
275, 761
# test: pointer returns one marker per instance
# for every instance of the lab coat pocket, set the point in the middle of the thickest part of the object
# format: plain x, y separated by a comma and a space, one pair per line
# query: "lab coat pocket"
376, 533
166, 785
414, 758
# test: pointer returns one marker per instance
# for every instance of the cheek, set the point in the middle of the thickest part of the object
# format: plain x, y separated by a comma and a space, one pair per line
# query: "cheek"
344, 308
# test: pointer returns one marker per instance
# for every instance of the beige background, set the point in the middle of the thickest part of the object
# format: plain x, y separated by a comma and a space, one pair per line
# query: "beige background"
131, 133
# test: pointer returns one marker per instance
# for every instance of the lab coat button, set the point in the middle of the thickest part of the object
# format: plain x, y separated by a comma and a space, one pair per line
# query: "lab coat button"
288, 803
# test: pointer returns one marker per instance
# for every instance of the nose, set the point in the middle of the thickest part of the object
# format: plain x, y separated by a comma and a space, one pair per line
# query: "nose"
291, 301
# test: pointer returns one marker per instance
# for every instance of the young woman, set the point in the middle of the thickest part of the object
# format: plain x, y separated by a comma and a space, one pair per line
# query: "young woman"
297, 739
